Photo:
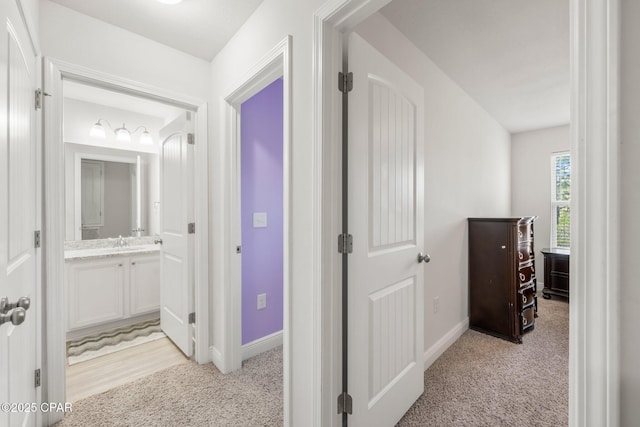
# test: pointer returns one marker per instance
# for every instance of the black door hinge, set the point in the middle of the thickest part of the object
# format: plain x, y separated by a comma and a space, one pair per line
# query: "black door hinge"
345, 404
37, 378
345, 243
345, 82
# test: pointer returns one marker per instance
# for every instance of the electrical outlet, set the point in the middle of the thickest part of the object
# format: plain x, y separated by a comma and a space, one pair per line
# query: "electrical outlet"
262, 301
436, 305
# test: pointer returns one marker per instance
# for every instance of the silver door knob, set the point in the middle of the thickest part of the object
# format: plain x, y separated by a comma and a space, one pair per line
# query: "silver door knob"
15, 316
158, 241
5, 306
423, 258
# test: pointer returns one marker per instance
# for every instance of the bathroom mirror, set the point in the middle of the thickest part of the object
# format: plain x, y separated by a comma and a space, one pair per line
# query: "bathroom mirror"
111, 195
108, 199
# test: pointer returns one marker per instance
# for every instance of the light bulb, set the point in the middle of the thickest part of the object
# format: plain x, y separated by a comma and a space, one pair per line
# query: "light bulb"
146, 138
122, 134
97, 131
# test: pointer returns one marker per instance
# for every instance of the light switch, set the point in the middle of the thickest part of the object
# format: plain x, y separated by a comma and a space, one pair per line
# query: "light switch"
259, 220
262, 301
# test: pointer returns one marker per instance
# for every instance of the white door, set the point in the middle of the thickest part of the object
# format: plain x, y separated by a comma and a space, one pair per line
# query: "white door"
18, 264
386, 282
176, 212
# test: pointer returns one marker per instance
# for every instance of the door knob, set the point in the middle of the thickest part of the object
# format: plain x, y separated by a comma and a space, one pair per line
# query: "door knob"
15, 316
423, 258
5, 306
158, 241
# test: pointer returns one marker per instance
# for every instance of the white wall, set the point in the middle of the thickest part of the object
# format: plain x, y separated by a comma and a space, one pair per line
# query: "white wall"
467, 174
80, 116
272, 21
79, 39
630, 212
531, 181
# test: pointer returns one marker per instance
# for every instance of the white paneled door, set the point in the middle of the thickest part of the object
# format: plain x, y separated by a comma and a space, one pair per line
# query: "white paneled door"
176, 212
386, 284
18, 203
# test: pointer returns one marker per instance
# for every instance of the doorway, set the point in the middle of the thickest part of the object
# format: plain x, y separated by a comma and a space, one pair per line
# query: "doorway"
115, 206
595, 38
269, 77
136, 297
261, 211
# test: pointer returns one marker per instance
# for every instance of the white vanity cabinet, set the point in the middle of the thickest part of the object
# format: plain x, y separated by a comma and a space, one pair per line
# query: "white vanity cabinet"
144, 280
95, 291
103, 290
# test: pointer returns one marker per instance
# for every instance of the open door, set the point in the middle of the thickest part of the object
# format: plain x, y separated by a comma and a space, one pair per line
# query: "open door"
18, 206
176, 231
386, 280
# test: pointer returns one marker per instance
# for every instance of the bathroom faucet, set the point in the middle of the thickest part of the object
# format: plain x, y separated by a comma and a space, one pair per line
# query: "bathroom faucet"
121, 242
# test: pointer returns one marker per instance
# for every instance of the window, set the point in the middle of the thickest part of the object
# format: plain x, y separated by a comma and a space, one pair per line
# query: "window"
560, 200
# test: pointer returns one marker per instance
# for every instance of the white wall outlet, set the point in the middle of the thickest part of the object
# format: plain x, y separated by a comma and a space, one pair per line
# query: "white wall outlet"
259, 220
262, 301
436, 305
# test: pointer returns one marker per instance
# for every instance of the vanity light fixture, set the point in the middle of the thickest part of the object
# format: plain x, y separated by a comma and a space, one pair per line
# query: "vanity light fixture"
122, 134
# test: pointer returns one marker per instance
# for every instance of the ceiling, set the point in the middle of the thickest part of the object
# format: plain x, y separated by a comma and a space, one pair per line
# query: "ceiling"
511, 56
121, 101
198, 27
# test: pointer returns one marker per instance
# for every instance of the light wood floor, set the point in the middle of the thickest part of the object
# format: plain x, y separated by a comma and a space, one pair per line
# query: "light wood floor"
106, 372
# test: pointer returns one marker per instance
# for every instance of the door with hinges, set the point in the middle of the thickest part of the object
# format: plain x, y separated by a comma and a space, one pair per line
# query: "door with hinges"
386, 280
176, 216
19, 267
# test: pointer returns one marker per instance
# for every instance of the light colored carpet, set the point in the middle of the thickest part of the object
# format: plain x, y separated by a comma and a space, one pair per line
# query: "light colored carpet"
479, 381
485, 381
191, 395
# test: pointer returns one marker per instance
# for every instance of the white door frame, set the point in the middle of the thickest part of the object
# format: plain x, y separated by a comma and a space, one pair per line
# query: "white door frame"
275, 64
594, 323
54, 227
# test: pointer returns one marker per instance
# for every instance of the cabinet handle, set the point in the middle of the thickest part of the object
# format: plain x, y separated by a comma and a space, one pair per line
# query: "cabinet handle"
524, 299
119, 265
133, 263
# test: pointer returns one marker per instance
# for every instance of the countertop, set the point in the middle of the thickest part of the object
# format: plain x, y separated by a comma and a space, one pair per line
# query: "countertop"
94, 253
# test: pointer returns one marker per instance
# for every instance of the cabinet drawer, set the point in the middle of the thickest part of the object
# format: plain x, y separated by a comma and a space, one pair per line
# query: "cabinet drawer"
525, 253
525, 232
527, 317
558, 264
526, 297
559, 281
526, 274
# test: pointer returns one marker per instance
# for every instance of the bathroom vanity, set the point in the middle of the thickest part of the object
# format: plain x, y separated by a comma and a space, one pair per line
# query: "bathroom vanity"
107, 287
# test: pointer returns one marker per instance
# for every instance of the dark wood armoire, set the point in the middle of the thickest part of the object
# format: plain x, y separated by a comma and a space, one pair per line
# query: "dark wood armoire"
502, 277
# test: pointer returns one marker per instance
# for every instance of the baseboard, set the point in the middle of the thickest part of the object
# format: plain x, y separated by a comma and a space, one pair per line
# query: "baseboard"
436, 350
216, 358
261, 345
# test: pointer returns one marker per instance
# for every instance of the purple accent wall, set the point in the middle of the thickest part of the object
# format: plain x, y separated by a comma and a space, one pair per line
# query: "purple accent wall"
261, 191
